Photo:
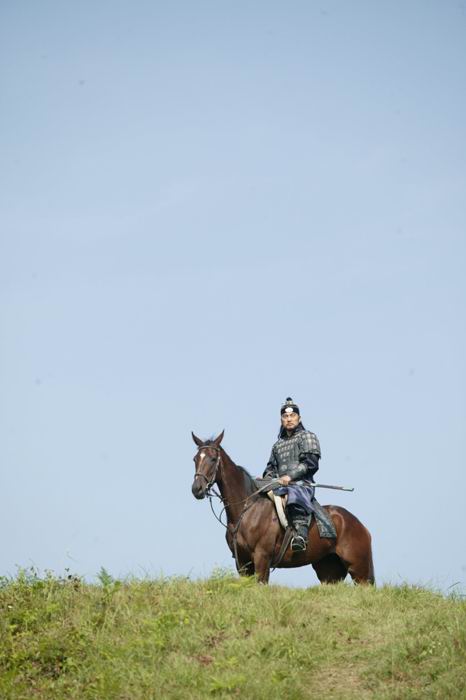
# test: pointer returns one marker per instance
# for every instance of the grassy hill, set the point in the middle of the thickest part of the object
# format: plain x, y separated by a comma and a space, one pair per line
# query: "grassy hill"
227, 637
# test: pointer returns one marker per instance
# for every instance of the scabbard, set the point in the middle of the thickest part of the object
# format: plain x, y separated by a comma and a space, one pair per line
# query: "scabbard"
268, 484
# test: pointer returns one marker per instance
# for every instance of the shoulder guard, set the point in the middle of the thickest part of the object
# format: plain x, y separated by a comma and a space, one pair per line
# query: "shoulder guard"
309, 442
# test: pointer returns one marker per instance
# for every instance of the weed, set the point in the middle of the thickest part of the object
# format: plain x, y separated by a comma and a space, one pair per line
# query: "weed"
225, 636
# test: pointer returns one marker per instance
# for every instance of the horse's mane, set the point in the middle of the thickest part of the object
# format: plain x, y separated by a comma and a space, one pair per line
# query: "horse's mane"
249, 480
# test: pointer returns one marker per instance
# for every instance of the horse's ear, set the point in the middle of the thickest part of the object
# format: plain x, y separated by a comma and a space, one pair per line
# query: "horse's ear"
219, 439
197, 440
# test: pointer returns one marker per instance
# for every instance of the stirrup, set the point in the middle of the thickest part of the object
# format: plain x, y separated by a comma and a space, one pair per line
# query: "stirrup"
298, 543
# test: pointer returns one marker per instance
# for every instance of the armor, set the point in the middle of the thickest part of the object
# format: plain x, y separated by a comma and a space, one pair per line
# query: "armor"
297, 456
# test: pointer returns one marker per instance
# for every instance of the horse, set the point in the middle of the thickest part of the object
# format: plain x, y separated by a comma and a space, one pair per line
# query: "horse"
255, 536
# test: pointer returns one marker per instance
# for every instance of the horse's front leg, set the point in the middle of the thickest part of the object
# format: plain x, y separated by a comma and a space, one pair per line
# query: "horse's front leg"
262, 565
245, 569
241, 555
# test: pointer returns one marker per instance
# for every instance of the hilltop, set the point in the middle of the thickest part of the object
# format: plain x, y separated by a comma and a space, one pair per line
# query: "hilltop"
227, 637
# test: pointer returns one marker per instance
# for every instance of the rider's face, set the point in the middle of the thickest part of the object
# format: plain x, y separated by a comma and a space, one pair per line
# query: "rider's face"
290, 420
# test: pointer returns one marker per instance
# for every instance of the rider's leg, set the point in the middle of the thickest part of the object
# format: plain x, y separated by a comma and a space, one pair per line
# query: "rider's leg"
300, 521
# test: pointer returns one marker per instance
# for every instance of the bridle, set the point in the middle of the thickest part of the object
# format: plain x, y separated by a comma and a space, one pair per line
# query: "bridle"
217, 464
210, 493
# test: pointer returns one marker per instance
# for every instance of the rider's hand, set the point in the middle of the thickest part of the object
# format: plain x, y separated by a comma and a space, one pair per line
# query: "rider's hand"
284, 480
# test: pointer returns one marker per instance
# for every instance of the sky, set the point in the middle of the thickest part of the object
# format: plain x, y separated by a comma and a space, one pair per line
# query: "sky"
207, 207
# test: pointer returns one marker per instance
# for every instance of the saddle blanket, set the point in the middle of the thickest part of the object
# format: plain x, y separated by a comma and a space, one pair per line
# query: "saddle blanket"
324, 522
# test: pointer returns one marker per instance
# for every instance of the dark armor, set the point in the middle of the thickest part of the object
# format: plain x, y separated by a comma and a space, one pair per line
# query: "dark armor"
296, 456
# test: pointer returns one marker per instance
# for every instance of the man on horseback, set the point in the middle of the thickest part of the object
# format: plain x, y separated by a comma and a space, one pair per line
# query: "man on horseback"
294, 461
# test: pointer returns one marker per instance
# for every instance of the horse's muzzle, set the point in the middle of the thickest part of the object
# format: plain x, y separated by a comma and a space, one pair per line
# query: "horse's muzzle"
198, 490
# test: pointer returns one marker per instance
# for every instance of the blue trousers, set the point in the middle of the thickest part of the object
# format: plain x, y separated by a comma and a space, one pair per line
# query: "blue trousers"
300, 493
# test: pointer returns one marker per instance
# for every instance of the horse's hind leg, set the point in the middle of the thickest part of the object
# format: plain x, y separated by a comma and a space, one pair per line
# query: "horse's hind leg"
355, 550
359, 562
330, 569
362, 571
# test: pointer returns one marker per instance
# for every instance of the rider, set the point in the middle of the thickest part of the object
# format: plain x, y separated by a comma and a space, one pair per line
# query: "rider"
294, 460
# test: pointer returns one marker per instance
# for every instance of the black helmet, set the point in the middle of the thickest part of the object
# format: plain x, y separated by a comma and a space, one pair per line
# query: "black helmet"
289, 407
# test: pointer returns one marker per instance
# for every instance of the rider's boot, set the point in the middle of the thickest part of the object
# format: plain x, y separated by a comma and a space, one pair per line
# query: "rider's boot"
300, 521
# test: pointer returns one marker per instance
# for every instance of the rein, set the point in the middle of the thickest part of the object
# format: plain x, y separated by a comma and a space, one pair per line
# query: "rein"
210, 493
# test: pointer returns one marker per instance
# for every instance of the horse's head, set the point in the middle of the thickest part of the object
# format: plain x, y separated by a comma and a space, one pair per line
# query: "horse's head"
206, 462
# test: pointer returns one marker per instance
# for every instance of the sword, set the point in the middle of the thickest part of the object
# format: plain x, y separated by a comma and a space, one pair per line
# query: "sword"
339, 488
274, 483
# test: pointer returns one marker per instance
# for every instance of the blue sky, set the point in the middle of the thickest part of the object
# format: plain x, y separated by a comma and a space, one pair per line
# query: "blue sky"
207, 207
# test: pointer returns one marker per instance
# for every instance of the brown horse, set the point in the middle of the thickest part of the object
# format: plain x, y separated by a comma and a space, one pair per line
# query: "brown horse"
254, 534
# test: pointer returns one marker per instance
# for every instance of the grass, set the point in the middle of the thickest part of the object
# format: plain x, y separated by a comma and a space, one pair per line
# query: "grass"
226, 637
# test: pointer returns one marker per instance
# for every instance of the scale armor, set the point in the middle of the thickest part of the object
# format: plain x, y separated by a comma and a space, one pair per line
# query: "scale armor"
288, 455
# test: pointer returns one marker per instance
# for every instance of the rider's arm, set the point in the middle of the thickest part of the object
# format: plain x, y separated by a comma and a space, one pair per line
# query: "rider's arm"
308, 457
311, 460
306, 468
271, 469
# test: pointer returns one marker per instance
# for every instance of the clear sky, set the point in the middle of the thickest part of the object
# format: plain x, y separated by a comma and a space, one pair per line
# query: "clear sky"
208, 206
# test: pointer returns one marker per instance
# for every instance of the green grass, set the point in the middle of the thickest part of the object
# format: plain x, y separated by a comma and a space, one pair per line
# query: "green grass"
226, 637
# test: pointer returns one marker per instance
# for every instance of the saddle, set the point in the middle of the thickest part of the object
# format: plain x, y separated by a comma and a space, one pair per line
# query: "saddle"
324, 523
